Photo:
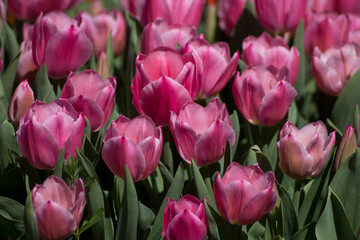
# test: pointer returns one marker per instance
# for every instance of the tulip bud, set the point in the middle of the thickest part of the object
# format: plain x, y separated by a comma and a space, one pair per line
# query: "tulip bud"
244, 194
229, 13
102, 66
58, 208
20, 102
184, 219
303, 152
346, 148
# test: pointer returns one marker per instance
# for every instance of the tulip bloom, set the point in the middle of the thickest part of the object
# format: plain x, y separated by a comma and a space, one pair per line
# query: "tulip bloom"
58, 208
303, 152
46, 129
262, 97
244, 194
214, 66
272, 53
91, 95
58, 42
98, 28
333, 69
229, 13
280, 15
201, 133
347, 147
136, 143
161, 34
21, 101
184, 219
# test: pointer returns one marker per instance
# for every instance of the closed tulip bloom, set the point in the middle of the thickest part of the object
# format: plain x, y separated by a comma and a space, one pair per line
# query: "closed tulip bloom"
244, 194
333, 68
229, 13
136, 143
58, 42
161, 34
214, 65
58, 208
262, 97
201, 133
91, 95
347, 147
271, 52
46, 129
21, 101
280, 15
184, 219
185, 12
303, 152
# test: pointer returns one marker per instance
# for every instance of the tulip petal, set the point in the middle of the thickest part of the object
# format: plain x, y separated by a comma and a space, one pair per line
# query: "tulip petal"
151, 149
185, 138
196, 116
330, 142
74, 142
139, 129
221, 197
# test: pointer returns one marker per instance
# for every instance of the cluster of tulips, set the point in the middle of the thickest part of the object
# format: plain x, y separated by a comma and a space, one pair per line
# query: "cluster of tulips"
114, 115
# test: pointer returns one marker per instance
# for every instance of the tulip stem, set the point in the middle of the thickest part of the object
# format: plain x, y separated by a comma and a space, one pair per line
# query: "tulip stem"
207, 179
297, 193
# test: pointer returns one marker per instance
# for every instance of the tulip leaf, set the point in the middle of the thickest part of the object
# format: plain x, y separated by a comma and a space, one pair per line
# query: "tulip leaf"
348, 192
267, 231
305, 232
43, 89
7, 142
32, 232
174, 192
167, 157
236, 126
59, 167
293, 113
4, 101
92, 60
343, 111
110, 54
94, 219
356, 121
118, 192
242, 65
11, 43
213, 231
166, 175
8, 77
333, 223
11, 218
146, 219
256, 232
289, 217
271, 151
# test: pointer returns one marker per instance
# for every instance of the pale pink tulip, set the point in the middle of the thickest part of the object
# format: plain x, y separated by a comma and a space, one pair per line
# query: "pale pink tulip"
26, 67
229, 12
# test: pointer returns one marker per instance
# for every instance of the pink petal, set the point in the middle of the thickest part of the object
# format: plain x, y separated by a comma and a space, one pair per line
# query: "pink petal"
151, 148
196, 116
185, 139
139, 129
74, 142
330, 142
221, 197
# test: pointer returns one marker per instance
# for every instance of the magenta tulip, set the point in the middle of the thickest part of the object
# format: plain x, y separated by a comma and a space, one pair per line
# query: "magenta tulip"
262, 97
303, 152
46, 129
229, 12
272, 53
201, 133
136, 143
347, 6
58, 208
347, 147
91, 95
58, 42
184, 219
244, 194
214, 66
320, 5
280, 15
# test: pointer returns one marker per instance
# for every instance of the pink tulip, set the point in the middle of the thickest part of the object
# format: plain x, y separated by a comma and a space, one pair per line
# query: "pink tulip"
21, 101
160, 34
333, 68
280, 15
97, 29
262, 97
158, 84
47, 128
229, 13
136, 143
201, 133
347, 6
354, 28
30, 9
272, 53
303, 152
58, 208
244, 194
91, 95
347, 147
58, 42
184, 219
26, 67
185, 12
214, 65
320, 5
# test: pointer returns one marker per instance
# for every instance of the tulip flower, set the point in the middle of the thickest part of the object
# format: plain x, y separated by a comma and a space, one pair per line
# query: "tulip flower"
280, 15
303, 152
47, 128
262, 97
91, 95
21, 101
58, 42
347, 6
347, 147
30, 9
214, 65
184, 219
244, 194
201, 133
333, 68
136, 143
185, 12
97, 29
161, 84
229, 12
102, 65
160, 34
58, 208
320, 5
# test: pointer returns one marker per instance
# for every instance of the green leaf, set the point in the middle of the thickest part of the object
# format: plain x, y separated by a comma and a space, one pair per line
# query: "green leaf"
256, 232
267, 230
262, 159
29, 217
92, 60
8, 77
43, 89
304, 62
271, 151
213, 231
236, 126
118, 192
11, 218
289, 218
166, 175
7, 141
4, 102
94, 219
110, 54
293, 113
146, 219
11, 43
306, 232
59, 167
242, 65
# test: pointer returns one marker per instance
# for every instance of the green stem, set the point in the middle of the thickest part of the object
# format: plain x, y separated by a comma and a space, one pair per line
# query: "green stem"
207, 180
